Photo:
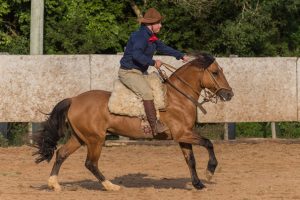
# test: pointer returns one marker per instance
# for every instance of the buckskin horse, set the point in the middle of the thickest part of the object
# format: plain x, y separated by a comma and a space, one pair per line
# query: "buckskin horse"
89, 119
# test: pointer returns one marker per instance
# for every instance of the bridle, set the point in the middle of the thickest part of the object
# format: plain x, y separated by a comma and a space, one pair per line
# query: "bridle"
213, 95
208, 95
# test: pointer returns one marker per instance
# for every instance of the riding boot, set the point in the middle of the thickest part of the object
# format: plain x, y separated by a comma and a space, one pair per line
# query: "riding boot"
156, 125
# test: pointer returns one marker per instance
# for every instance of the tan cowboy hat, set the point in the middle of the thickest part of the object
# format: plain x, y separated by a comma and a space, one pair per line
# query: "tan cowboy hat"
151, 16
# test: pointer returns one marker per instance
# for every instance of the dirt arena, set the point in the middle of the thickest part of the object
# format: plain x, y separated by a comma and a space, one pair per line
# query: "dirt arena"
265, 170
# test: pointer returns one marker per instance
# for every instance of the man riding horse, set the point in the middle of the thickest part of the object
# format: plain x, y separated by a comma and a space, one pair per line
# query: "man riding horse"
138, 56
89, 119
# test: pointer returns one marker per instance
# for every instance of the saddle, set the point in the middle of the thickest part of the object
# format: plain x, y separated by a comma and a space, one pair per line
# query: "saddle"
123, 101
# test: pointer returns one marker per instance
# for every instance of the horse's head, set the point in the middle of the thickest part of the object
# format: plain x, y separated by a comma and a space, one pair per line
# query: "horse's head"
213, 77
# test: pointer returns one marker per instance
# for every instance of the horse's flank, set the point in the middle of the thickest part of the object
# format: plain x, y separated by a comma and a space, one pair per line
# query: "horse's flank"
96, 101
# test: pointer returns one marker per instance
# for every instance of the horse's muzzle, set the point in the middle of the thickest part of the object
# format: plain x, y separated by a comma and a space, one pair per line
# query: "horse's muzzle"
225, 94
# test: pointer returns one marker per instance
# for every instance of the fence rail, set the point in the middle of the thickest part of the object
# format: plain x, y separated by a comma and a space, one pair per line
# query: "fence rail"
266, 89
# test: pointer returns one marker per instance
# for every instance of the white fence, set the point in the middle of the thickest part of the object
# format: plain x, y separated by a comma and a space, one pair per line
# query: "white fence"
266, 89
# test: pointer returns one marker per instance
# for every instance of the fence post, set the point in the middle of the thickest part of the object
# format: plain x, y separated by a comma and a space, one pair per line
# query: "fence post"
36, 38
226, 131
273, 128
229, 131
4, 125
36, 27
3, 129
230, 127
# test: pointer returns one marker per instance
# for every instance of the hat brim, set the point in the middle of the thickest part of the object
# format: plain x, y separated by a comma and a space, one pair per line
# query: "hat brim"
150, 20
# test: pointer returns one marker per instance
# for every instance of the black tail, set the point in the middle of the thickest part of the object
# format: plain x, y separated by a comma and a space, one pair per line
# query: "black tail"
53, 129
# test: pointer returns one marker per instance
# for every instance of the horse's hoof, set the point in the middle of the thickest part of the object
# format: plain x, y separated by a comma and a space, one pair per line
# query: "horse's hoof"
53, 184
56, 188
199, 185
211, 166
110, 186
209, 175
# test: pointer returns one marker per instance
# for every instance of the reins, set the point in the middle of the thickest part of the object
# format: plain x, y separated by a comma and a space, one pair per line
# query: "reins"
208, 96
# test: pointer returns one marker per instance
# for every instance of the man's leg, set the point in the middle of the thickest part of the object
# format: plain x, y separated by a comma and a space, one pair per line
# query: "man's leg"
135, 81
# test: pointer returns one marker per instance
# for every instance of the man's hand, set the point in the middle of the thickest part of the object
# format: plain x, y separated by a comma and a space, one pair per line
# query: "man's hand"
157, 64
185, 58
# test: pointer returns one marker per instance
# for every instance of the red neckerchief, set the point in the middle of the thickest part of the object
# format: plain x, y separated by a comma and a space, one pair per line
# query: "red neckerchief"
153, 38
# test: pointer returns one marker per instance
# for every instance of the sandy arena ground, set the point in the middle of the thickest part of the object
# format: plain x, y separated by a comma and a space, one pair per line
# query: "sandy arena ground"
266, 170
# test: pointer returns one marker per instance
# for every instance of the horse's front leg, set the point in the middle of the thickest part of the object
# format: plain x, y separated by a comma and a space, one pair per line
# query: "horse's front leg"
187, 151
212, 163
193, 138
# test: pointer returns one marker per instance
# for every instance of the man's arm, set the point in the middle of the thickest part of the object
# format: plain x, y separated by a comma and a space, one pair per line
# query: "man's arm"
162, 48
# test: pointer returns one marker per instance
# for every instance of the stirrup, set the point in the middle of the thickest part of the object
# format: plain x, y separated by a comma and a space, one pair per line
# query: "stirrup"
161, 127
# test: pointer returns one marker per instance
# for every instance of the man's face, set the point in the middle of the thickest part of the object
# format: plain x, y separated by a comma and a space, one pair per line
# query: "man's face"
156, 27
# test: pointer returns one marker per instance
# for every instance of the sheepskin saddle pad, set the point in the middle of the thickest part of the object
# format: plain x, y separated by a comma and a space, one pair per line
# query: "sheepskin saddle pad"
123, 101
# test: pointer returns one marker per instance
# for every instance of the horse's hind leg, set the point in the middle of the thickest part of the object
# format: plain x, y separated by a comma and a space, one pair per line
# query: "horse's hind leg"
91, 163
187, 151
61, 155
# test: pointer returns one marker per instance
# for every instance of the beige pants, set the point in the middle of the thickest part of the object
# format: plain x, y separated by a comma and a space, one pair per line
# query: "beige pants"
135, 80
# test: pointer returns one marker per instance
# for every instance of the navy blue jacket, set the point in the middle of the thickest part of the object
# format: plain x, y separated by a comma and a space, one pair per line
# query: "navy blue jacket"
139, 51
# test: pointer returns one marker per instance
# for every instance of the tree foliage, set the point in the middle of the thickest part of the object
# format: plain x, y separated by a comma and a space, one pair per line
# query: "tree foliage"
80, 27
14, 26
223, 27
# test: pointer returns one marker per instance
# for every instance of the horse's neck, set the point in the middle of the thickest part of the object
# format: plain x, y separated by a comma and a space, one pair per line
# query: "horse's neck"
190, 76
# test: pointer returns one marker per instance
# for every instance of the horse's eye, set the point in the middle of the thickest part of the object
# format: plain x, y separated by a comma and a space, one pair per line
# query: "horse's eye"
215, 73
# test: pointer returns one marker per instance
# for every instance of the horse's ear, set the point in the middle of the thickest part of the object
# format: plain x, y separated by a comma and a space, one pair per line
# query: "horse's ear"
203, 60
202, 55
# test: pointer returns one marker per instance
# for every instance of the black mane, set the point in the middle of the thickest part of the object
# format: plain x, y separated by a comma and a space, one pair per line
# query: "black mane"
203, 60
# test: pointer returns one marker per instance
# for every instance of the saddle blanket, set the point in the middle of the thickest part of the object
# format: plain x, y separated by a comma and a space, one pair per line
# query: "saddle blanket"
125, 102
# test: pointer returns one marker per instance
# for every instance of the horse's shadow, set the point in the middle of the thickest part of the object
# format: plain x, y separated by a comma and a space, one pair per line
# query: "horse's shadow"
136, 180
74, 185
142, 180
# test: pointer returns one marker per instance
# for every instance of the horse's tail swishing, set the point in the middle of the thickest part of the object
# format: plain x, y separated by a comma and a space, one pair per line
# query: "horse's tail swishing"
52, 130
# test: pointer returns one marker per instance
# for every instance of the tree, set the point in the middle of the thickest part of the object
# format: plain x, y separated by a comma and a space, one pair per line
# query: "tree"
222, 27
196, 8
259, 28
86, 27
14, 26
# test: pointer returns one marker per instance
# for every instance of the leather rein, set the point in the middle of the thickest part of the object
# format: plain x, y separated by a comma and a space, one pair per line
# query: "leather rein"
208, 95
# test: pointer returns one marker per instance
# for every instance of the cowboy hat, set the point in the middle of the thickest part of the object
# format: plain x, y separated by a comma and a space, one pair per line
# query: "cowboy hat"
151, 16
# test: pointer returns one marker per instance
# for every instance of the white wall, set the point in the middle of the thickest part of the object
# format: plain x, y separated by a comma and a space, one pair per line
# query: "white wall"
266, 89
